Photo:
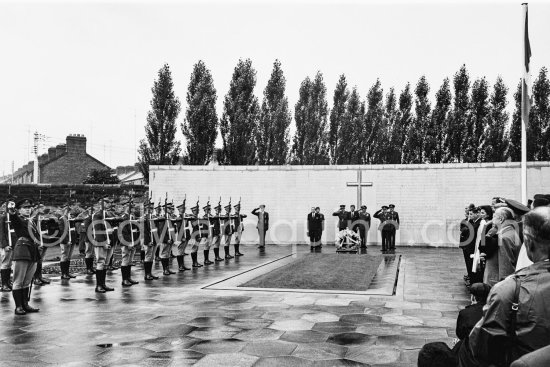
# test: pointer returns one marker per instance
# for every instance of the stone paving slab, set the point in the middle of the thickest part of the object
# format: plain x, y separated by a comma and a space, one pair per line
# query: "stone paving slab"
174, 322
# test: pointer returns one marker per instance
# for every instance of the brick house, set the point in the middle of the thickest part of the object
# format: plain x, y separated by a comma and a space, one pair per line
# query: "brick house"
63, 164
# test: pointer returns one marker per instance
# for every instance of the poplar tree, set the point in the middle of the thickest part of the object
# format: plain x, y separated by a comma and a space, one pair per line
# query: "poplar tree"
272, 135
389, 124
241, 112
438, 123
476, 123
413, 146
200, 127
341, 95
459, 116
351, 131
495, 144
310, 143
160, 145
371, 142
539, 119
401, 127
514, 133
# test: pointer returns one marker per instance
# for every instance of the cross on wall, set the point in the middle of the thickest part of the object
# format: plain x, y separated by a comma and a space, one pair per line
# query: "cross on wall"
359, 184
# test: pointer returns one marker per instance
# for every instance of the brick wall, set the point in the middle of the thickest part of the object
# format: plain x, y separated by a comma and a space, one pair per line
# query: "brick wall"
69, 169
430, 199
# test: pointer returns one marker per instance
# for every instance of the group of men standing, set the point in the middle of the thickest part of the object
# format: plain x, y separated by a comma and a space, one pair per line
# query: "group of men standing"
27, 230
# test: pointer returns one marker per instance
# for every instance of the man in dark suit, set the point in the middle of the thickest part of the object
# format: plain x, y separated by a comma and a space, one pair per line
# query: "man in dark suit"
469, 316
342, 217
364, 226
263, 223
353, 218
315, 227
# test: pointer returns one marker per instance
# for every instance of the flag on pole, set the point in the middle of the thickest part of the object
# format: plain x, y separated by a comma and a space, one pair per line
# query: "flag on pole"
527, 93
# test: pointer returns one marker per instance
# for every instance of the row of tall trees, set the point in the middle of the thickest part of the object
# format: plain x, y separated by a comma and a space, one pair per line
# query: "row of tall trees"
468, 122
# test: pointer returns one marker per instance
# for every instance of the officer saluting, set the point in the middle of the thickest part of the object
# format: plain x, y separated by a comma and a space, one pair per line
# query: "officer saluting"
381, 215
26, 255
364, 225
342, 217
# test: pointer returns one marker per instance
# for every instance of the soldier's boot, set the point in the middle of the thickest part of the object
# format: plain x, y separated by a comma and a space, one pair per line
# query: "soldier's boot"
142, 256
130, 275
154, 277
103, 276
181, 264
148, 265
89, 265
166, 266
5, 274
195, 262
98, 282
157, 253
125, 281
217, 255
237, 252
62, 266
25, 300
226, 250
40, 280
72, 276
206, 260
17, 297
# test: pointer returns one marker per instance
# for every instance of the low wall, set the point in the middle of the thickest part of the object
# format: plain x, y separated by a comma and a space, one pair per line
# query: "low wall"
430, 198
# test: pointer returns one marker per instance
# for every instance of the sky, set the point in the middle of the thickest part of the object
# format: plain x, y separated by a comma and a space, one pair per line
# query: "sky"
87, 67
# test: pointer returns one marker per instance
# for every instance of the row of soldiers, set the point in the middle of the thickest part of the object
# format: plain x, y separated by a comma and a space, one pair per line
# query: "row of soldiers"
27, 230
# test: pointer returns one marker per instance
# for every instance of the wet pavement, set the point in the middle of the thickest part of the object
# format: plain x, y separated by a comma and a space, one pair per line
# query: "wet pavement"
174, 322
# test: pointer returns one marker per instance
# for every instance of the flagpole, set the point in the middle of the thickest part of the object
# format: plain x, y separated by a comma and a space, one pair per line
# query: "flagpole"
526, 53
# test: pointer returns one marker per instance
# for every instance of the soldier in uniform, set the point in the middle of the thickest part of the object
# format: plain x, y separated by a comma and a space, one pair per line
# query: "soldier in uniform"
26, 254
7, 242
365, 219
129, 242
393, 222
183, 234
342, 217
150, 241
217, 225
208, 221
85, 238
196, 235
47, 225
228, 229
381, 215
263, 223
102, 236
69, 238
167, 236
239, 227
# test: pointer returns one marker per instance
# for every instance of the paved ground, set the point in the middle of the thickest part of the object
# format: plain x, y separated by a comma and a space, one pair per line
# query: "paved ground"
172, 322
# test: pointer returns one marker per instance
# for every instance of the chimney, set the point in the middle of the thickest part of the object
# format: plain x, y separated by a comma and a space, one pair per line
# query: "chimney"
51, 153
60, 149
76, 144
43, 158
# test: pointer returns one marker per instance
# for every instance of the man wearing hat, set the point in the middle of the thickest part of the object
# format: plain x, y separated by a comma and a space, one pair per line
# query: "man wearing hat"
364, 225
216, 223
129, 243
228, 229
7, 242
26, 254
393, 223
150, 240
239, 227
183, 230
381, 215
342, 217
102, 241
199, 232
208, 221
46, 224
166, 232
69, 237
263, 223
